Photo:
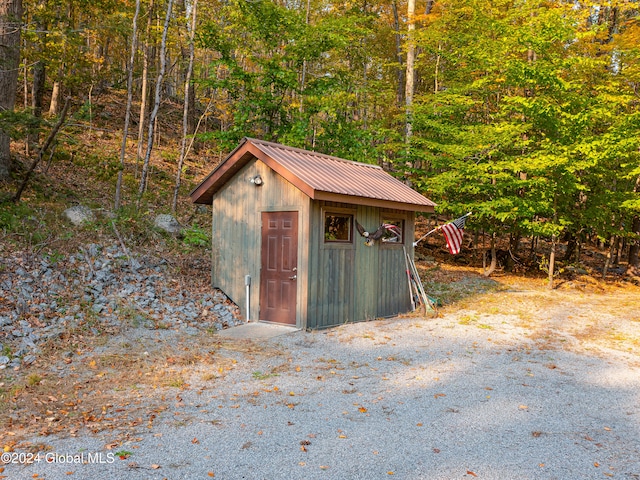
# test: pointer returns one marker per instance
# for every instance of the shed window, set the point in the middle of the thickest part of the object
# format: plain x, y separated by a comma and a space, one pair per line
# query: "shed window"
338, 227
394, 233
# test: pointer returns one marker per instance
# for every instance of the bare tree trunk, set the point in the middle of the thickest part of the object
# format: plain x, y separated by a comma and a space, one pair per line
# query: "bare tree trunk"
156, 106
10, 25
303, 76
127, 115
552, 260
185, 112
634, 248
607, 263
410, 70
45, 146
56, 94
399, 69
494, 257
145, 87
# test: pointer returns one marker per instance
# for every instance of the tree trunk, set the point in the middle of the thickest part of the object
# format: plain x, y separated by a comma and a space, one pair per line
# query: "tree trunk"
56, 93
43, 149
634, 248
10, 25
185, 112
145, 87
552, 260
607, 263
410, 70
399, 70
127, 115
494, 257
156, 106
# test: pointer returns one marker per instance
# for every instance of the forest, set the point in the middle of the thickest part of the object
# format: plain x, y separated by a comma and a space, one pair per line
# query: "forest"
524, 113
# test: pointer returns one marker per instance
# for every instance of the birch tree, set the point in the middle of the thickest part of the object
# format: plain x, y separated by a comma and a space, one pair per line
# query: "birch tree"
191, 26
156, 105
127, 115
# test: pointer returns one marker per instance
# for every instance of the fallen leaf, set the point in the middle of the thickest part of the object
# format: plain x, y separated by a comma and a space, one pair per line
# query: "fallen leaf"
436, 450
419, 424
596, 464
390, 473
302, 464
342, 436
155, 467
469, 472
195, 441
362, 409
523, 407
211, 474
607, 429
303, 448
438, 395
323, 467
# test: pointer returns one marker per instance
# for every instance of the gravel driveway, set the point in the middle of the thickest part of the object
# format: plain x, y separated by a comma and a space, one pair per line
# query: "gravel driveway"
465, 395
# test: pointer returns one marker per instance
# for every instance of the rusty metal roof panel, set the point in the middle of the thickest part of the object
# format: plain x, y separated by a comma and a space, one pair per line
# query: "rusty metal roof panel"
322, 177
325, 173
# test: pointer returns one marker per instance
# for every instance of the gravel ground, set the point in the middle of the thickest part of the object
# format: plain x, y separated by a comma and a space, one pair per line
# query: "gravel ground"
404, 398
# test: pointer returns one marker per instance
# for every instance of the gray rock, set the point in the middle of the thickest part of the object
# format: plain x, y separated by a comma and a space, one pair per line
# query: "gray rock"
79, 214
97, 308
28, 360
167, 223
4, 321
4, 360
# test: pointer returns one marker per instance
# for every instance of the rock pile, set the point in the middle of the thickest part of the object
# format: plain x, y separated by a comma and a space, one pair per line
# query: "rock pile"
98, 288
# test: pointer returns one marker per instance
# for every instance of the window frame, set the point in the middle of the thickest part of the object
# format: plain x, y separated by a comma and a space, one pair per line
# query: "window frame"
393, 219
338, 212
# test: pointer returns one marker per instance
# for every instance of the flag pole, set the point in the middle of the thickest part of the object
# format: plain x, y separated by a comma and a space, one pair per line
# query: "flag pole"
415, 244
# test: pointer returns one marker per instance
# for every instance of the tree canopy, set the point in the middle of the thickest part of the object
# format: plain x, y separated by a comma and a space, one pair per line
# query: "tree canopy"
525, 113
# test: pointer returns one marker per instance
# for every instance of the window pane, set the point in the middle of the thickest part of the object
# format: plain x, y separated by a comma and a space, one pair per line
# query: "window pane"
394, 232
337, 228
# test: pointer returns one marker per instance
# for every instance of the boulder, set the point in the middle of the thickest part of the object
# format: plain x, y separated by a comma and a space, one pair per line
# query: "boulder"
79, 214
167, 223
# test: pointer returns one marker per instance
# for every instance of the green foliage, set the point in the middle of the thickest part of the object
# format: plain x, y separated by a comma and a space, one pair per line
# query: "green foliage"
13, 216
531, 128
196, 236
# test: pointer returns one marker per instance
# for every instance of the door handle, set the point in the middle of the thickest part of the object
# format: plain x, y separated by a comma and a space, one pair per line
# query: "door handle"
293, 277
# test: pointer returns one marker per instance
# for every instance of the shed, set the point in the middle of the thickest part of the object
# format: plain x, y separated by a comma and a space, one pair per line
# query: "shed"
286, 246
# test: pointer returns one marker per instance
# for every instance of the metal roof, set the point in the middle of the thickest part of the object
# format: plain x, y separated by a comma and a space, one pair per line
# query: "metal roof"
320, 176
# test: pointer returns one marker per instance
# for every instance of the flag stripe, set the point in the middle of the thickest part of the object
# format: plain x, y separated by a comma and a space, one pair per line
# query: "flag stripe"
453, 235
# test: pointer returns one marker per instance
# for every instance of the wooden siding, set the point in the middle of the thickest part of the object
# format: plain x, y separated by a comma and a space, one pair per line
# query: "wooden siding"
236, 232
393, 287
354, 282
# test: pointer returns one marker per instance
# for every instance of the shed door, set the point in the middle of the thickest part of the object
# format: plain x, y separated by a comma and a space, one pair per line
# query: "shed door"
279, 267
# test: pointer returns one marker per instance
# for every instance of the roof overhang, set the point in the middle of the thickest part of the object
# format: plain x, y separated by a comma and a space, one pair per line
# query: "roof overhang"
247, 150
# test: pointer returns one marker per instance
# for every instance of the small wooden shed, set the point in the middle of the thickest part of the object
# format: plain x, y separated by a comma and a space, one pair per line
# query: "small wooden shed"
286, 246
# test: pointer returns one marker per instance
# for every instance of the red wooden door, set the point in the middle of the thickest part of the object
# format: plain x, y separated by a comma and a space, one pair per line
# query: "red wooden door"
279, 267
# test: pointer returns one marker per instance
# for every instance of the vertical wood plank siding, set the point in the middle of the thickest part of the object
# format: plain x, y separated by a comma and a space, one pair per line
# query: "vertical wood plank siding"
354, 282
236, 231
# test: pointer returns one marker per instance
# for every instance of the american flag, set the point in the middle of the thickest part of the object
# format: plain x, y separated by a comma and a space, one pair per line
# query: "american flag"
453, 233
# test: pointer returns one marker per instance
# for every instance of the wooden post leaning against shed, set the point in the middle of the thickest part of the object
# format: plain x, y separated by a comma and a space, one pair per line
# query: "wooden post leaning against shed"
406, 263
